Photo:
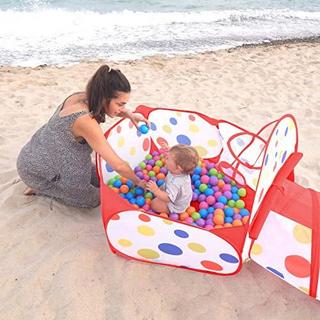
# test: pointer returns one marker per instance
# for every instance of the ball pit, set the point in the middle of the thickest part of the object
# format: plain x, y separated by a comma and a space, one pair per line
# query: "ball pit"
216, 202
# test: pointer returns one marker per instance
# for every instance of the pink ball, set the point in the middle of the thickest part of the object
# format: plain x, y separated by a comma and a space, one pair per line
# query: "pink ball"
149, 167
156, 158
217, 194
227, 187
146, 207
203, 205
228, 194
211, 200
146, 178
188, 220
209, 227
204, 171
205, 179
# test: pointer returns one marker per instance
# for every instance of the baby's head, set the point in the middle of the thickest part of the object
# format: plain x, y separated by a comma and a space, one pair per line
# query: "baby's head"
182, 159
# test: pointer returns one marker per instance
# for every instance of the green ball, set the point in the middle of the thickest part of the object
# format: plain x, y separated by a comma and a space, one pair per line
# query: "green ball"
151, 173
148, 157
142, 165
195, 216
220, 176
233, 183
159, 163
148, 195
240, 204
111, 181
231, 203
203, 187
242, 192
213, 172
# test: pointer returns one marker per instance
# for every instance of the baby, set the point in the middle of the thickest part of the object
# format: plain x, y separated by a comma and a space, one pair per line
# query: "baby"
177, 194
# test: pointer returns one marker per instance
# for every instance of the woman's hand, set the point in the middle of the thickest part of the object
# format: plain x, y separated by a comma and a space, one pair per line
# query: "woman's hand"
142, 184
134, 117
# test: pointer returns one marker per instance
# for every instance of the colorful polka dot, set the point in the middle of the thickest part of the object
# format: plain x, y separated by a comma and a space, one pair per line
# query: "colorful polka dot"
146, 144
193, 128
121, 142
278, 273
148, 253
118, 129
284, 156
228, 258
139, 134
125, 242
196, 247
266, 160
108, 167
256, 249
286, 131
275, 166
181, 234
161, 141
297, 266
166, 129
168, 222
146, 230
153, 126
191, 117
132, 151
181, 138
144, 217
170, 249
202, 151
211, 265
302, 234
212, 143
173, 121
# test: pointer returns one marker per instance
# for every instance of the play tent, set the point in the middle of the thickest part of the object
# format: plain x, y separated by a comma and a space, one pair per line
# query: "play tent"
283, 233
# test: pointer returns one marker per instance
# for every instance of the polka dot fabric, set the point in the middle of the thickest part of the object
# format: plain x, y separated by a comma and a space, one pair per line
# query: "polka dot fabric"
152, 238
281, 145
129, 143
288, 254
173, 127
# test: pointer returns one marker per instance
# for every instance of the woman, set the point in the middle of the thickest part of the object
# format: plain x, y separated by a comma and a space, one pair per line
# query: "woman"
56, 162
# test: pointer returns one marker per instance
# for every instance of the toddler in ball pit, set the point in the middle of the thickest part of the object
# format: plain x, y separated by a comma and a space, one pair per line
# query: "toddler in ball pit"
177, 194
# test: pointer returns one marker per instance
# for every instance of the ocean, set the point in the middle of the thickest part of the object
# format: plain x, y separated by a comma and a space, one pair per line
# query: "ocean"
35, 32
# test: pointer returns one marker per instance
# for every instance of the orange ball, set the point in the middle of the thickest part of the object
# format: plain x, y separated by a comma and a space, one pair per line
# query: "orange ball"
156, 169
148, 201
190, 210
220, 183
219, 212
237, 223
245, 219
218, 219
164, 215
136, 206
115, 189
183, 215
227, 225
217, 226
123, 180
160, 176
124, 188
145, 171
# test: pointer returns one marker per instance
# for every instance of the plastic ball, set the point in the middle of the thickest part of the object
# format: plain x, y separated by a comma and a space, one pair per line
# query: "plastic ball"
237, 222
139, 191
129, 195
202, 197
195, 177
223, 199
213, 172
195, 215
197, 170
242, 192
235, 197
209, 192
149, 195
240, 204
218, 219
213, 180
163, 215
174, 216
142, 165
183, 216
160, 182
208, 227
205, 179
144, 129
244, 212
200, 222
211, 200
228, 220
188, 220
117, 184
124, 188
148, 156
228, 212
203, 212
219, 212
140, 201
203, 187
203, 205
191, 210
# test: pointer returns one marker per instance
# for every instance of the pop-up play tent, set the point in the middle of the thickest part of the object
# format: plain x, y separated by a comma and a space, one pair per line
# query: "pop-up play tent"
283, 231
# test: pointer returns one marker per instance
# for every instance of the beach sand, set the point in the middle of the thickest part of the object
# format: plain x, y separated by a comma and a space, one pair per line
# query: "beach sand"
55, 263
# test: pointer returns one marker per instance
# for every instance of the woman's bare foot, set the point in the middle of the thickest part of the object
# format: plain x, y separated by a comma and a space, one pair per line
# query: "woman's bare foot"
29, 192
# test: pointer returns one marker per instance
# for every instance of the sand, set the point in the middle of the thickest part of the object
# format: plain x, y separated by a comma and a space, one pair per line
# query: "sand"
55, 263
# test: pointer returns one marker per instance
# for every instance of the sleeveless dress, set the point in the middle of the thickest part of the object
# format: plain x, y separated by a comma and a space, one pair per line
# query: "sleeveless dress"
55, 164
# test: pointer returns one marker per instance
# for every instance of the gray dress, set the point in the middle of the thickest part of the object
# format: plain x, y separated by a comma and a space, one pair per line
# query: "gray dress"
54, 164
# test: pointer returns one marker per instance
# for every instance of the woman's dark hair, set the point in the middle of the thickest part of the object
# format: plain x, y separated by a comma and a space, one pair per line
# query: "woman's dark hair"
102, 87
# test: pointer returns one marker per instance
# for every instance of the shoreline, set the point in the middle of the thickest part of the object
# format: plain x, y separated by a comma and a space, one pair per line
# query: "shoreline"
263, 44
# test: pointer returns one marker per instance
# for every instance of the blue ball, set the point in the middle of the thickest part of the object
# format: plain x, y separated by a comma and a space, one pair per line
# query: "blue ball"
210, 210
228, 212
129, 195
129, 184
223, 199
117, 183
197, 171
139, 191
140, 201
133, 201
160, 182
228, 220
197, 183
235, 197
203, 213
195, 177
208, 192
234, 189
144, 129
244, 212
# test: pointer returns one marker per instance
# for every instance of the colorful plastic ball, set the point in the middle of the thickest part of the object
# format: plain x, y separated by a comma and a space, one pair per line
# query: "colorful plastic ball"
163, 215
228, 195
227, 225
223, 199
149, 195
220, 176
197, 183
228, 220
235, 197
218, 212
191, 210
140, 201
237, 216
213, 172
218, 219
237, 222
242, 192
164, 170
202, 197
231, 203
245, 219
160, 182
129, 195
183, 216
122, 195
197, 171
146, 207
203, 205
208, 227
139, 191
209, 192
195, 177
132, 201
117, 184
200, 222
203, 213
195, 196
234, 189
217, 194
142, 165
211, 200
174, 216
228, 212
240, 204
244, 212
205, 179
203, 187
144, 129
124, 188
129, 183
148, 156
188, 220
210, 210
159, 163
213, 180
151, 174
218, 205
195, 215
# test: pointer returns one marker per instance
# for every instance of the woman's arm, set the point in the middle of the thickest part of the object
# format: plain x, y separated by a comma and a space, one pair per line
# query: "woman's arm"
134, 117
88, 128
